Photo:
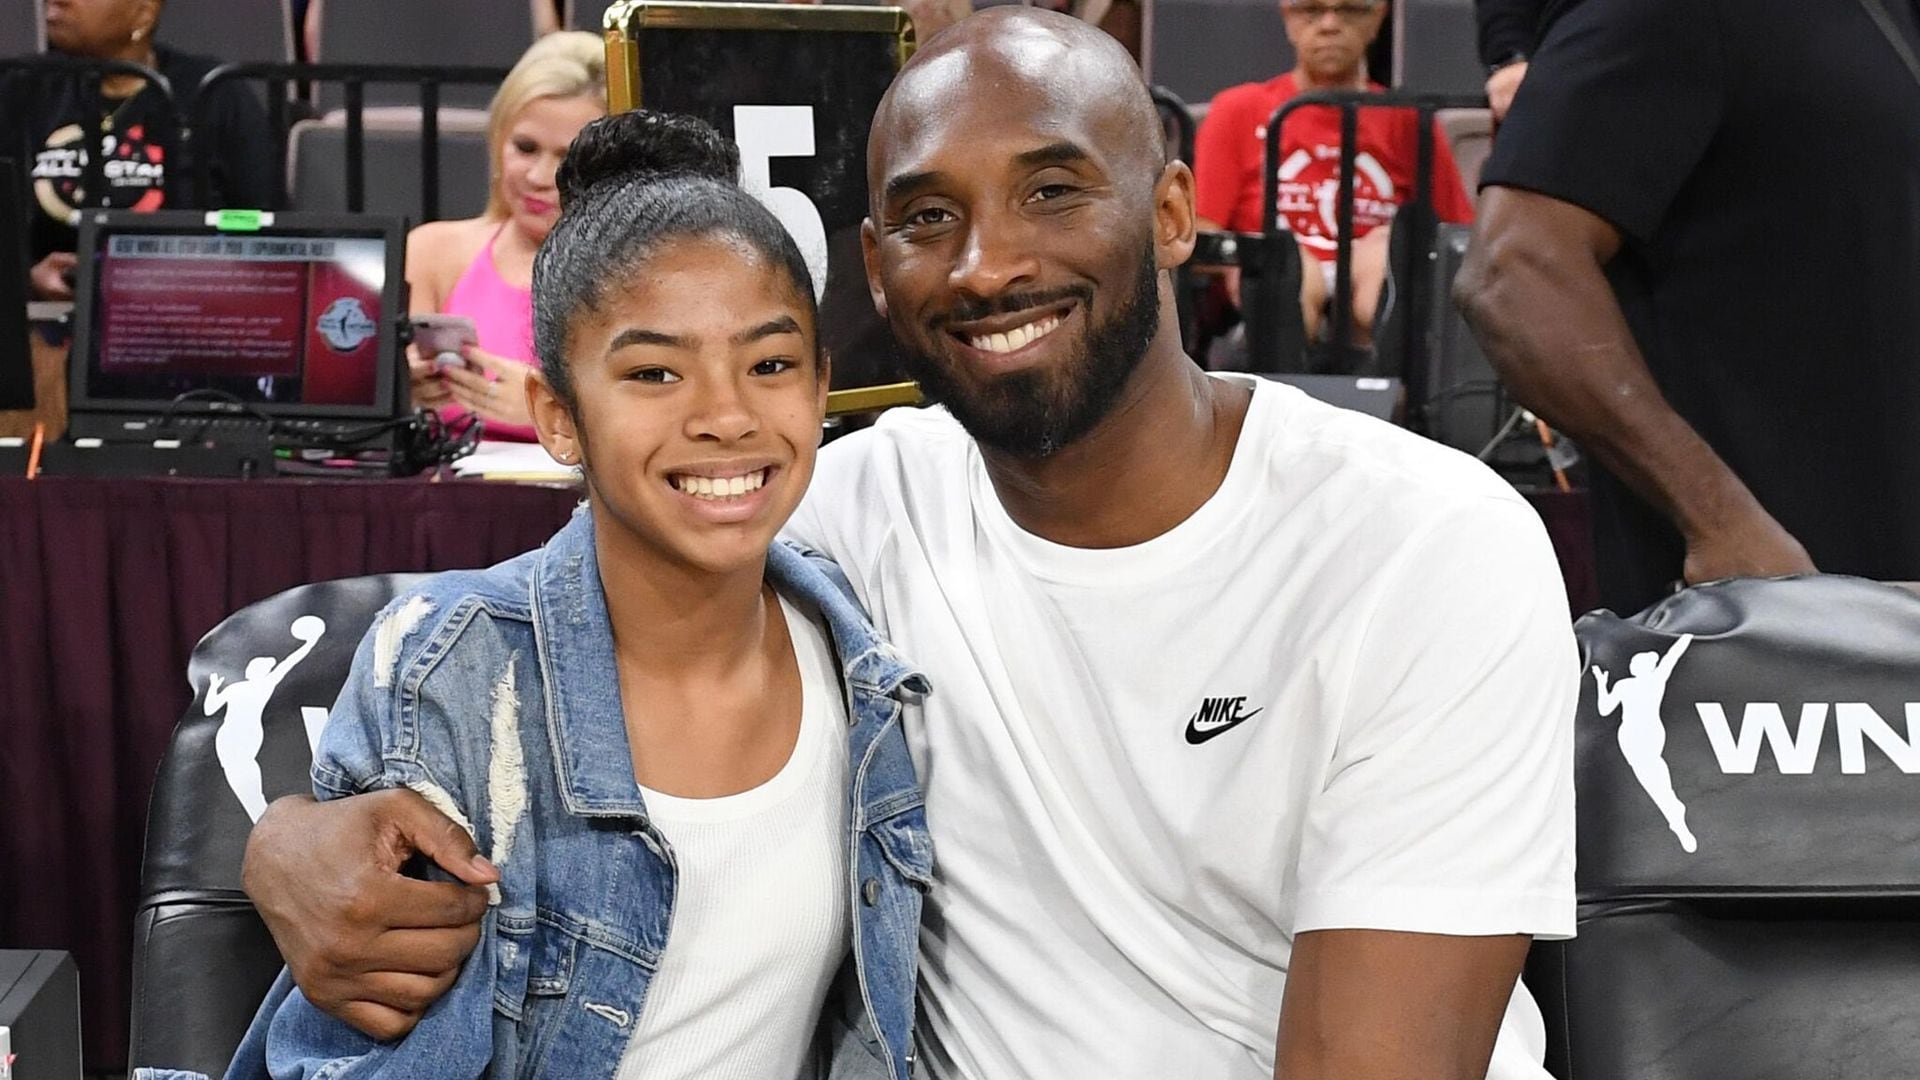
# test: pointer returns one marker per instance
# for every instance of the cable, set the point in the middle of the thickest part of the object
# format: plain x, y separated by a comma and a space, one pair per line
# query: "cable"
1506, 430
211, 394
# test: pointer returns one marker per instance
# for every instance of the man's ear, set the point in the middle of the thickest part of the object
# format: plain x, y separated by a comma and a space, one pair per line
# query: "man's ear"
554, 421
870, 255
1174, 218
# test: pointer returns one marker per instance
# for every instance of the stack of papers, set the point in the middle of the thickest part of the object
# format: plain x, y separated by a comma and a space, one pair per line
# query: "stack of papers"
524, 462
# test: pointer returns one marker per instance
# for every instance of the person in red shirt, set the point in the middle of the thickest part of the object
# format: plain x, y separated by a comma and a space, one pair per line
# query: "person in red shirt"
1330, 38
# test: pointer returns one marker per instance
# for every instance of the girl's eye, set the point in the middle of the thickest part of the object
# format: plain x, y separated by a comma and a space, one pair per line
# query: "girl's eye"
774, 365
525, 146
653, 375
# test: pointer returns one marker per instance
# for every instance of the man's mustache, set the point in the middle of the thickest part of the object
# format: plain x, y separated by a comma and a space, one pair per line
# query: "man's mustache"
1008, 304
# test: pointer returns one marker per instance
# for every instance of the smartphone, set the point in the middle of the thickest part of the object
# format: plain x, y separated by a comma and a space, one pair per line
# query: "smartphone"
439, 338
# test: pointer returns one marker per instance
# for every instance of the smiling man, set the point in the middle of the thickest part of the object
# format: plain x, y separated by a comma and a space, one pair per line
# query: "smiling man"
1249, 746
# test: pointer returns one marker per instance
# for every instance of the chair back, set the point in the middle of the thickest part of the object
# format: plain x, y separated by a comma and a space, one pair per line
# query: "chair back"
264, 681
1749, 838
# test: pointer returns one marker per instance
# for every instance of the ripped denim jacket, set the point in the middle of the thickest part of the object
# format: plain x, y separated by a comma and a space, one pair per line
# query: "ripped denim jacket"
492, 693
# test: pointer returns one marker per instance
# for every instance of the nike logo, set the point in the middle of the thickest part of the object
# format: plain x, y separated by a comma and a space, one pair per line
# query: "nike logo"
1216, 715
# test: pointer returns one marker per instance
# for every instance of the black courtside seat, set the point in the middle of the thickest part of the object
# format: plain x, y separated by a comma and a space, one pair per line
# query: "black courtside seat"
202, 958
1749, 839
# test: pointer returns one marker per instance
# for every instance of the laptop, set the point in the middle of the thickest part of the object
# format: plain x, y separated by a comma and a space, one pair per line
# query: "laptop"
16, 356
236, 326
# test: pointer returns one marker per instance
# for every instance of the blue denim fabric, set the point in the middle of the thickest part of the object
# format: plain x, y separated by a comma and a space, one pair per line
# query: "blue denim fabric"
587, 884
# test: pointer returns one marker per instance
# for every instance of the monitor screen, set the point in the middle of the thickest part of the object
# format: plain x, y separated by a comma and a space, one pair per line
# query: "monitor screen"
291, 322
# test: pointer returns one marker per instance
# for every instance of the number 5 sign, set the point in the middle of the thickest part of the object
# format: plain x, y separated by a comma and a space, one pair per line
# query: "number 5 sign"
796, 87
765, 132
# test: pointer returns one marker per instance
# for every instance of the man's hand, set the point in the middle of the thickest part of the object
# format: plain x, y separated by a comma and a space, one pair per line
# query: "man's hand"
364, 943
1752, 545
1582, 371
1502, 85
49, 276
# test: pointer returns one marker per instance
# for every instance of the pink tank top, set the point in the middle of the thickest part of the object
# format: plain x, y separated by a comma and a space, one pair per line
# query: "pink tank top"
503, 316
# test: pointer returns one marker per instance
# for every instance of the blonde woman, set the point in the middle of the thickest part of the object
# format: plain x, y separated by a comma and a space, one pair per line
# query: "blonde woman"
482, 267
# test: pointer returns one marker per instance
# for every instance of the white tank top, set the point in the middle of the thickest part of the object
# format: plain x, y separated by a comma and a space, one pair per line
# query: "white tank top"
761, 923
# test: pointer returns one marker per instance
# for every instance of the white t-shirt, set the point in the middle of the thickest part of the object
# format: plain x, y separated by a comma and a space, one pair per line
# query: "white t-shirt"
1339, 695
761, 919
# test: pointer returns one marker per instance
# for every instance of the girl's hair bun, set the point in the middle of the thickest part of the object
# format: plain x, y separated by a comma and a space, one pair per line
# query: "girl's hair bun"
630, 145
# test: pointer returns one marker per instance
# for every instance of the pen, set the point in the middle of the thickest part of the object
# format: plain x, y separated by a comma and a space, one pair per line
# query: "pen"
33, 455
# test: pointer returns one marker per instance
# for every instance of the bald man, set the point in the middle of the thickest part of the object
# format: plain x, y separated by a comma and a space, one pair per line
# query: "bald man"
1248, 753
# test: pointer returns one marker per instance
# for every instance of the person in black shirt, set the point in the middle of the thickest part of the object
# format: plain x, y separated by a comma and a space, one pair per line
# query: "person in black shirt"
1509, 34
1698, 252
45, 119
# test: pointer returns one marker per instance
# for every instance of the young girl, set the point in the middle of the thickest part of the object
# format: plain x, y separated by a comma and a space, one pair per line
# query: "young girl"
677, 740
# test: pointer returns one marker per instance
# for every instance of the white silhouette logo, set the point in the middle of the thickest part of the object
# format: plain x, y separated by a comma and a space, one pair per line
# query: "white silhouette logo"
242, 729
1642, 735
345, 325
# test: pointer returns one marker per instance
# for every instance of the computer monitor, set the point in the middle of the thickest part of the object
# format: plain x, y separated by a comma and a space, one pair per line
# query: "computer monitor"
16, 356
184, 313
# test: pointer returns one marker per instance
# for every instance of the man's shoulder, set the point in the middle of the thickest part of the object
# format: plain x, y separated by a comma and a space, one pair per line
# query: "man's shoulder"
916, 444
1387, 480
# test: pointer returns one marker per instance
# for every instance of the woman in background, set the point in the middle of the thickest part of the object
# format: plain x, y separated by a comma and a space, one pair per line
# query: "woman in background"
482, 267
46, 119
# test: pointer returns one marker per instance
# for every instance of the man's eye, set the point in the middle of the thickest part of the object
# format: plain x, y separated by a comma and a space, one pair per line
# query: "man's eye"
932, 215
774, 365
1051, 191
652, 375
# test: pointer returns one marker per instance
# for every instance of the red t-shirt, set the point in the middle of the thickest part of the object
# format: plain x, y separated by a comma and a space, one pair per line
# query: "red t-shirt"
1231, 149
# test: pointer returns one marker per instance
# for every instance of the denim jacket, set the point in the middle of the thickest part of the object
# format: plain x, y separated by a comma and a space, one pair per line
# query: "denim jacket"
493, 694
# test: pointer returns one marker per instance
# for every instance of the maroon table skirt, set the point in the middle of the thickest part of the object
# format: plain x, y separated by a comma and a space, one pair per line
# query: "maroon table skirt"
105, 587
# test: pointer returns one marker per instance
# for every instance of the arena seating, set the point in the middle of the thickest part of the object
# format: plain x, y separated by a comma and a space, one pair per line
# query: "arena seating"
1435, 49
202, 957
586, 14
1762, 923
1201, 47
1469, 134
22, 27
254, 31
453, 32
317, 153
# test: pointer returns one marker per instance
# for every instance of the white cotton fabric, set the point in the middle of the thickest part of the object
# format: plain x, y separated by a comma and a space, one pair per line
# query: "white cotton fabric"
761, 919
1369, 630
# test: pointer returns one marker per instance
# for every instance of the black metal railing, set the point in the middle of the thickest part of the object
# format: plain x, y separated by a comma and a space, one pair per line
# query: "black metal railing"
91, 73
353, 80
1417, 212
1174, 109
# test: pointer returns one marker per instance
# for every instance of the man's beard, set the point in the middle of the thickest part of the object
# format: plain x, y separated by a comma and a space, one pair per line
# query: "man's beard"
1034, 413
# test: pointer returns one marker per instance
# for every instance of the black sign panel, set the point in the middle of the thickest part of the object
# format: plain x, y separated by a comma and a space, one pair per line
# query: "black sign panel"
796, 87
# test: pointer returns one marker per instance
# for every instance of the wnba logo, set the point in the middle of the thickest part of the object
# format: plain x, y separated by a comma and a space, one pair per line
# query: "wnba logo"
1795, 747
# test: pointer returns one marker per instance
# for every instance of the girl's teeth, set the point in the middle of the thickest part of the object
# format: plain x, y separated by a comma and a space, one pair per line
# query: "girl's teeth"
722, 487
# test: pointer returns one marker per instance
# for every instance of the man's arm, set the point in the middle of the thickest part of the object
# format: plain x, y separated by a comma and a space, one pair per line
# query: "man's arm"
1579, 368
1386, 1005
366, 944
